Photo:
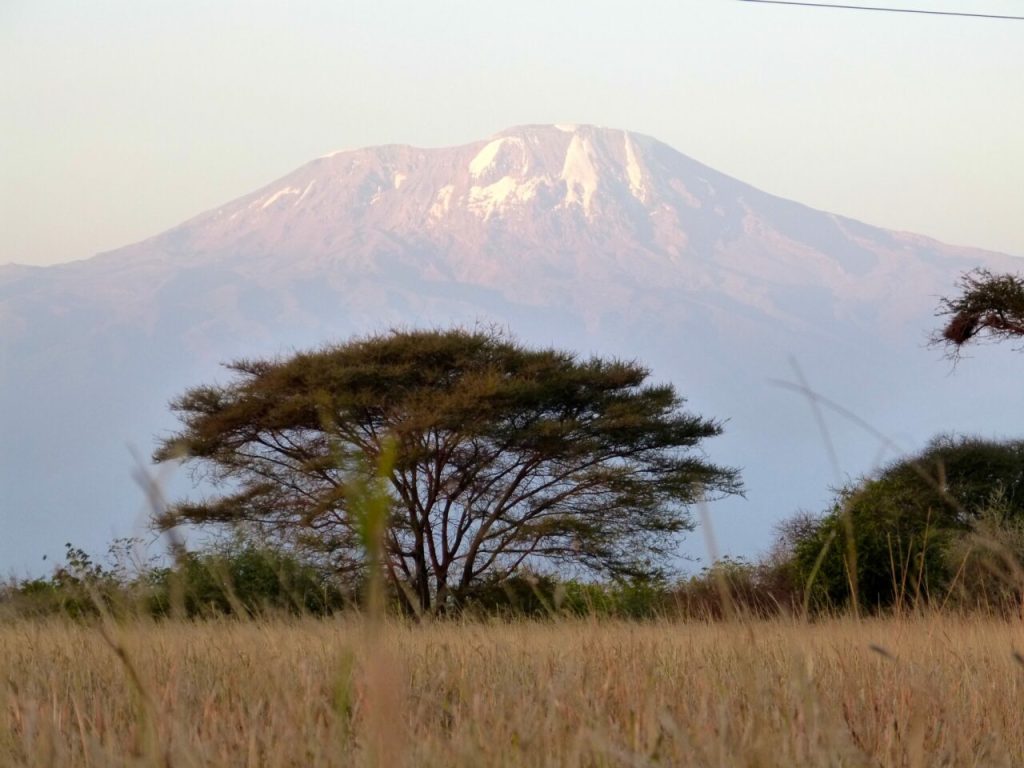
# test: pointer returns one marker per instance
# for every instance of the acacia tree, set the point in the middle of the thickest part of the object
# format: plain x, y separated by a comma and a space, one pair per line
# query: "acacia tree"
988, 303
503, 456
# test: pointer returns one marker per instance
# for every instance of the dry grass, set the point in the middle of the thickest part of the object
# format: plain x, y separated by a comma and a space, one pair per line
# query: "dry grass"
916, 692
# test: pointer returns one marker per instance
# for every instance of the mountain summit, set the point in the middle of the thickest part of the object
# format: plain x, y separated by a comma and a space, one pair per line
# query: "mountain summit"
583, 237
525, 210
530, 182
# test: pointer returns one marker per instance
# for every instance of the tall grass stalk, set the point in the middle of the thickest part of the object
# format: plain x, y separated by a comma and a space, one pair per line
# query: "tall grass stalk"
383, 679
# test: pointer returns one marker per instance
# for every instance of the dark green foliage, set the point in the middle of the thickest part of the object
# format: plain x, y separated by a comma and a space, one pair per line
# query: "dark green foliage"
245, 578
233, 577
638, 598
546, 596
905, 521
896, 548
521, 594
505, 458
728, 588
988, 303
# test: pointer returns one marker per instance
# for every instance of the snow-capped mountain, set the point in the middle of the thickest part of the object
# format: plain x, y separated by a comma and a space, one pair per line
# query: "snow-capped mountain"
593, 239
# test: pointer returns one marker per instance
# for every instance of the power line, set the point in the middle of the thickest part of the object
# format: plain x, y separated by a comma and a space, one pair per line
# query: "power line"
885, 9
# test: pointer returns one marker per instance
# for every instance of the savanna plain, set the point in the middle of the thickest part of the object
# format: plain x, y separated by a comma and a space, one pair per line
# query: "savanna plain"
925, 689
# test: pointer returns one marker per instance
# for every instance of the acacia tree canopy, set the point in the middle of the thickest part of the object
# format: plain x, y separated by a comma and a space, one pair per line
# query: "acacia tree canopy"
504, 456
988, 304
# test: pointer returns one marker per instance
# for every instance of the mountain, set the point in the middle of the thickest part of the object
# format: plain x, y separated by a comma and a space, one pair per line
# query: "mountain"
592, 239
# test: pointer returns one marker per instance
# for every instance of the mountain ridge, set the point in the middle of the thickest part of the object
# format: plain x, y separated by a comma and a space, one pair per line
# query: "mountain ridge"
460, 227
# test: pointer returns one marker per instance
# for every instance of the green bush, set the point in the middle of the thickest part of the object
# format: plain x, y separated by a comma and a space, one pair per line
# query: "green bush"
233, 577
897, 530
245, 578
521, 594
543, 595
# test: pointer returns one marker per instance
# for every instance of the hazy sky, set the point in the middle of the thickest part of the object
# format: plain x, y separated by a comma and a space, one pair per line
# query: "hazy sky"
119, 118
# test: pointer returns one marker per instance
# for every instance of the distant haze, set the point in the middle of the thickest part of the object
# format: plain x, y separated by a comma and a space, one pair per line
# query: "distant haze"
595, 240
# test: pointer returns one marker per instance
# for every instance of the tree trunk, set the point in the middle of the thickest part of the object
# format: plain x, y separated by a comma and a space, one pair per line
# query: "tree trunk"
422, 585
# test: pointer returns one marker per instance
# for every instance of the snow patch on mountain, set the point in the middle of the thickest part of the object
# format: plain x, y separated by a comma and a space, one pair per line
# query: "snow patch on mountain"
485, 200
490, 156
278, 195
442, 202
306, 191
485, 158
580, 173
634, 172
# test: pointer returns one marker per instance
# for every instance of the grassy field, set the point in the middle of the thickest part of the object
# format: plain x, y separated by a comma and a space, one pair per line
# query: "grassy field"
932, 691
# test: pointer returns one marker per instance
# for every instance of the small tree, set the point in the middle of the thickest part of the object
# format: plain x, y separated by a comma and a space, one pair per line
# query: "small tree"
988, 304
504, 457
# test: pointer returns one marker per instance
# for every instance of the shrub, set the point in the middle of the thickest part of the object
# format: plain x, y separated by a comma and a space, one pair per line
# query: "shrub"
890, 537
239, 576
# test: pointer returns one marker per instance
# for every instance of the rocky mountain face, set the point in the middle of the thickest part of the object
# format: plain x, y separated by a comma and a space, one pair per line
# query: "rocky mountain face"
597, 240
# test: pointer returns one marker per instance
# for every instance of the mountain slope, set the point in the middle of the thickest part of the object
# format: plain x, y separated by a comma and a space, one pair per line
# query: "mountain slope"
587, 238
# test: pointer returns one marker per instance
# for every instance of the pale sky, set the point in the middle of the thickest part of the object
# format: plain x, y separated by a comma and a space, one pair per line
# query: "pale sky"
120, 118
